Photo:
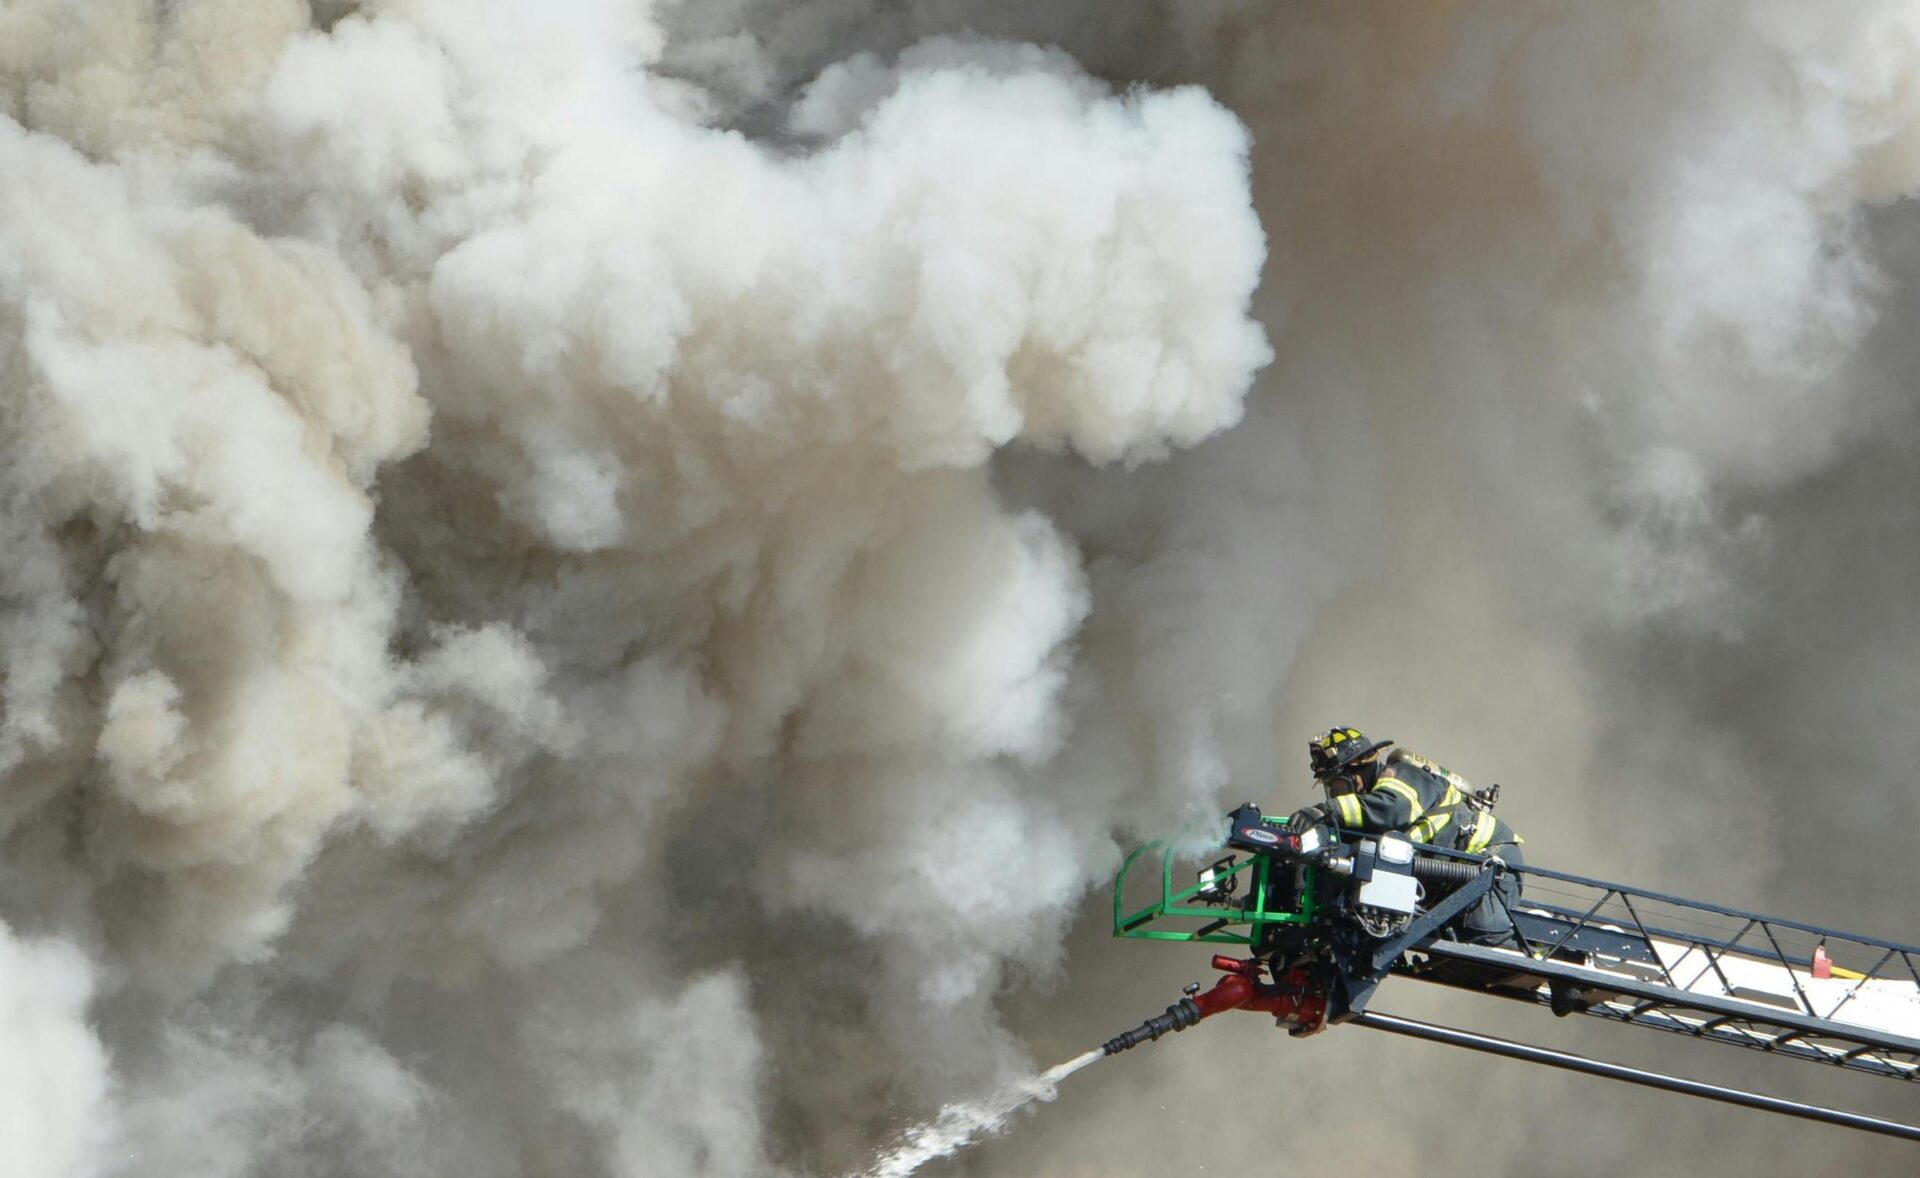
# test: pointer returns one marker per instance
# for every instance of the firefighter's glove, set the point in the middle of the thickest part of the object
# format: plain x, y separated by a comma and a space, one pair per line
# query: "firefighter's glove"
1308, 817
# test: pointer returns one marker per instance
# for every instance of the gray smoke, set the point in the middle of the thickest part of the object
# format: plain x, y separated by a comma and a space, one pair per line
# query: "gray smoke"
595, 588
448, 480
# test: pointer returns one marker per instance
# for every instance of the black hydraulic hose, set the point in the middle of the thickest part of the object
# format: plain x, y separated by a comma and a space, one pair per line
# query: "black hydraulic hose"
1613, 1071
1179, 1017
1444, 872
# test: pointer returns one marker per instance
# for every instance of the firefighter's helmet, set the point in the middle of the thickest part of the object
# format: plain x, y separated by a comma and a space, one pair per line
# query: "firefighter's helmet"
1336, 748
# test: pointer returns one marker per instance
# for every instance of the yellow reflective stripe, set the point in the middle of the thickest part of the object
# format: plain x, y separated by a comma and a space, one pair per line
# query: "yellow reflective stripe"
1349, 809
1424, 830
1483, 827
1404, 790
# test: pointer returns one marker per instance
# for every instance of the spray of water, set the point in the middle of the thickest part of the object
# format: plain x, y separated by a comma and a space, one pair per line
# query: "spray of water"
962, 1123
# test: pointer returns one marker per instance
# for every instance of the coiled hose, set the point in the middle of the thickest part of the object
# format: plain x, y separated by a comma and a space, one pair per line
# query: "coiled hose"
1445, 873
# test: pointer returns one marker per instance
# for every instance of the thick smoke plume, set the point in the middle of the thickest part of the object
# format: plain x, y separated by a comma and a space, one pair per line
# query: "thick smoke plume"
590, 588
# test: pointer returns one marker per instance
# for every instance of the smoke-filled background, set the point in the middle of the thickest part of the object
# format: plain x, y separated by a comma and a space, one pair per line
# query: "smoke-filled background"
596, 588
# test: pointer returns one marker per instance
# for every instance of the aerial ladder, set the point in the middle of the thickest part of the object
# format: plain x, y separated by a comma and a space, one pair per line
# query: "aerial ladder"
1323, 918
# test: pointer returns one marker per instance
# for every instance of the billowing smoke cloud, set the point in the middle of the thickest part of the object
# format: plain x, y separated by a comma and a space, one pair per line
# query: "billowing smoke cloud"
1622, 295
55, 1106
588, 588
443, 471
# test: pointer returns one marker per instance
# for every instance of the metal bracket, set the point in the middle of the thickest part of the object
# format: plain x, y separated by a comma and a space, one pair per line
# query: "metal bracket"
1436, 918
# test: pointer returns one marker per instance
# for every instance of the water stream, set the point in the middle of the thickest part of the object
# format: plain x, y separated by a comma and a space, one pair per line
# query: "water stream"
962, 1123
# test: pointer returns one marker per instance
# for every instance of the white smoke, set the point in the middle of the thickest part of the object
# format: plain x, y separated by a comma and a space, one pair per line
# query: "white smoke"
438, 464
56, 1098
586, 585
673, 1084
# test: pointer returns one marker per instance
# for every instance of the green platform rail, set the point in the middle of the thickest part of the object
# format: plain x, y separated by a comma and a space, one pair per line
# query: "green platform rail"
1240, 921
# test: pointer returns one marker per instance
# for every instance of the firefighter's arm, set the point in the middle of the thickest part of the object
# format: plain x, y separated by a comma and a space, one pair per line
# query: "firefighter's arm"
1391, 804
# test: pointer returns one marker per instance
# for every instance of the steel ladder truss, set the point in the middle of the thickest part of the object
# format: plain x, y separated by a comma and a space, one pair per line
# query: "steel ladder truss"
1709, 972
1573, 945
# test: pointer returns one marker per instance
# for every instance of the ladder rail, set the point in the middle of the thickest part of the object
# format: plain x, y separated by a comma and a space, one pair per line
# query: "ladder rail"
1622, 966
1760, 938
1455, 1037
1529, 871
1731, 1021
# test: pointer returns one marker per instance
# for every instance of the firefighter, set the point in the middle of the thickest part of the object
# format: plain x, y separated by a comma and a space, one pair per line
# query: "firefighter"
1371, 790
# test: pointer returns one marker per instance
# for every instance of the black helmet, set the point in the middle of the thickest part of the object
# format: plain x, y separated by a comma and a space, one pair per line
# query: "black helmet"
1336, 748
